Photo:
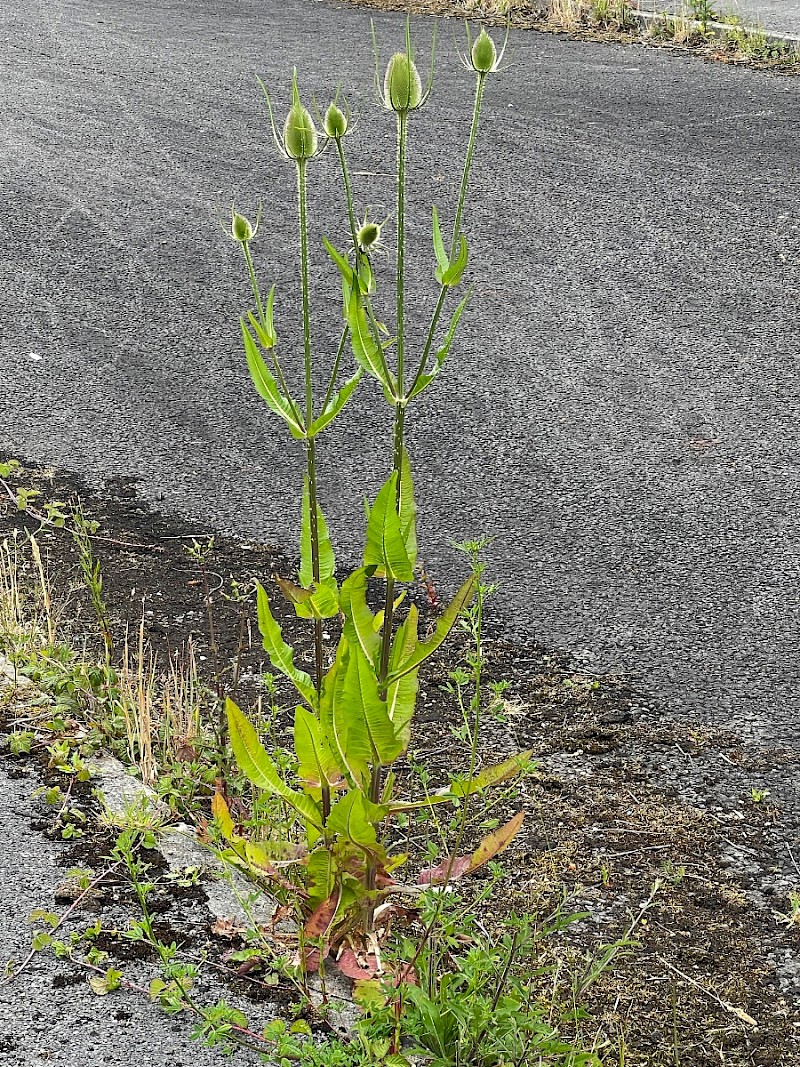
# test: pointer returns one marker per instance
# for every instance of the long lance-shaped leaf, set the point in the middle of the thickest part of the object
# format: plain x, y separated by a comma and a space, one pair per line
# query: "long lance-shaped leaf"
443, 628
317, 766
385, 551
268, 388
501, 772
327, 560
359, 622
451, 868
265, 331
425, 380
255, 764
452, 276
496, 842
367, 351
362, 700
335, 404
408, 508
438, 245
340, 261
401, 695
280, 654
344, 731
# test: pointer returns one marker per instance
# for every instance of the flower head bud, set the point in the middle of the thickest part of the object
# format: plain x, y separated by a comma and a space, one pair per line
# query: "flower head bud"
368, 235
241, 229
484, 53
299, 131
402, 86
335, 123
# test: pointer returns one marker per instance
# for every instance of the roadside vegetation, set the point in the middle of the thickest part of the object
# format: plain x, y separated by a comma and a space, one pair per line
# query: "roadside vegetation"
703, 27
372, 783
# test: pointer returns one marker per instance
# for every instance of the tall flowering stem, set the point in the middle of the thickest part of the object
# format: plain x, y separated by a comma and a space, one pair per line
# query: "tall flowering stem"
462, 196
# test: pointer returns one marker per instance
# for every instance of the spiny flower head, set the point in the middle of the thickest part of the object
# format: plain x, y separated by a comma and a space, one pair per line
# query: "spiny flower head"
299, 140
482, 54
336, 122
299, 132
402, 89
402, 85
242, 230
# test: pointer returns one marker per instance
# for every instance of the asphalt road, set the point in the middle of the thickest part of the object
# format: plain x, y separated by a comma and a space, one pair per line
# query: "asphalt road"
620, 410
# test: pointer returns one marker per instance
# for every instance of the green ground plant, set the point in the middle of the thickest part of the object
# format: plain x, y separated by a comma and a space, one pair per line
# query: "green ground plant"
355, 720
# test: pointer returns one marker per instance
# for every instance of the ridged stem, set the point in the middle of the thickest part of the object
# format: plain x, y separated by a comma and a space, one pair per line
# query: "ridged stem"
311, 467
462, 196
376, 779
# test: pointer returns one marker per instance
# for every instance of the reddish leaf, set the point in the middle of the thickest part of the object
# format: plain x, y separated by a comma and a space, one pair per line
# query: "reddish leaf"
321, 919
448, 870
309, 960
363, 965
494, 843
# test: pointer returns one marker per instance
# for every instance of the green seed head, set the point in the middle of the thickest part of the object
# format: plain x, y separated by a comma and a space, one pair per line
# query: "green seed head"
335, 122
402, 87
368, 235
241, 230
299, 134
299, 131
484, 53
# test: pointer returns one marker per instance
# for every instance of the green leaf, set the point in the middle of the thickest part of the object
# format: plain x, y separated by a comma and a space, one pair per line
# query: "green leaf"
501, 772
335, 404
340, 261
438, 246
256, 765
424, 649
425, 380
265, 332
366, 714
317, 765
408, 509
280, 654
352, 752
359, 622
366, 279
401, 695
327, 560
368, 353
452, 276
321, 871
323, 602
353, 817
105, 983
268, 388
386, 549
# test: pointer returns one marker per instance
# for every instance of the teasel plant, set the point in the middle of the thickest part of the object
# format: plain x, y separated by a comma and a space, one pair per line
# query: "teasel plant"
401, 91
316, 597
355, 720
